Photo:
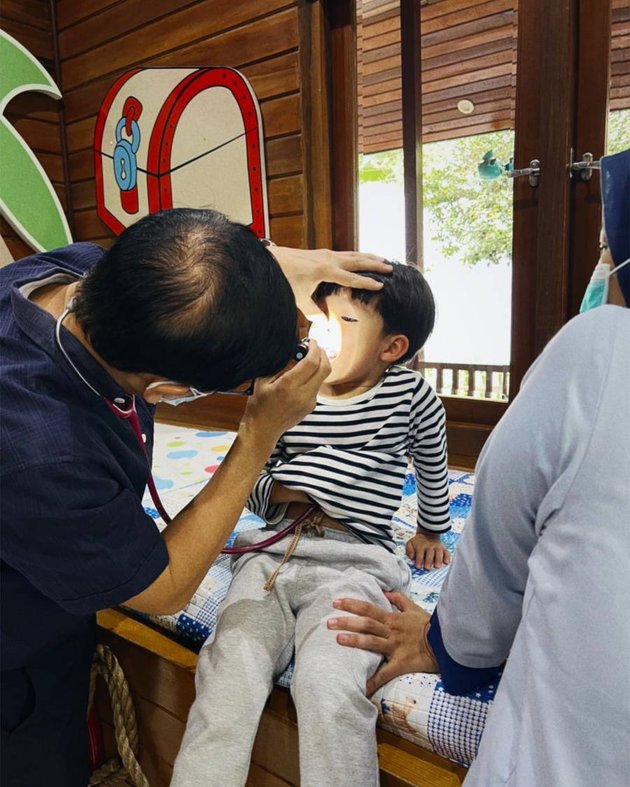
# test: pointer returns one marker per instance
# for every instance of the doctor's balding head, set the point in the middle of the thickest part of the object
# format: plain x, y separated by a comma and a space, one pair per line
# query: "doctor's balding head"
188, 295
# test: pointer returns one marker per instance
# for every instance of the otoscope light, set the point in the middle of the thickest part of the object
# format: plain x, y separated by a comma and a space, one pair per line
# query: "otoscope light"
327, 333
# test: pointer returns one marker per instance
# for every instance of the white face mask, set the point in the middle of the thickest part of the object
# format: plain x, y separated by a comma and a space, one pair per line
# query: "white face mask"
597, 291
175, 400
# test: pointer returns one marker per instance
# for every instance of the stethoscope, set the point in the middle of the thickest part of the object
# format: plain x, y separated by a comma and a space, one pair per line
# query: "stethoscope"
130, 414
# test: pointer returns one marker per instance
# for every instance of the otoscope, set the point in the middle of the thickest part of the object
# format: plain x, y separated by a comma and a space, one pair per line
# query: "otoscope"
301, 351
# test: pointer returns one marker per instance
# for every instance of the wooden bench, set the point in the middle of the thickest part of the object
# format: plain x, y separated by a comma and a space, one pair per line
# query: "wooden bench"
161, 674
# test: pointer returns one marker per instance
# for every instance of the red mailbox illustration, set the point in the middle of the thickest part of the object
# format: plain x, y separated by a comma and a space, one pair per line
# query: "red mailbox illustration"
180, 137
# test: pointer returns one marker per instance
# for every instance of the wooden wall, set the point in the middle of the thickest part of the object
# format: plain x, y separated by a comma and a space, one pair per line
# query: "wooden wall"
268, 40
468, 51
36, 116
280, 46
620, 55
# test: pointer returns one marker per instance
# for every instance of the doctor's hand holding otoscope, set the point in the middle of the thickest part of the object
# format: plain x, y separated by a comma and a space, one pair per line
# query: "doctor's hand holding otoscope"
282, 401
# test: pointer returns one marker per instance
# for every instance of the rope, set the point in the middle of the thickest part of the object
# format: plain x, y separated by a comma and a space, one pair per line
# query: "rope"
125, 726
313, 522
110, 774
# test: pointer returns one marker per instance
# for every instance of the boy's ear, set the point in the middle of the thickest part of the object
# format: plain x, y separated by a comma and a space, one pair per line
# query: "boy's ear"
394, 347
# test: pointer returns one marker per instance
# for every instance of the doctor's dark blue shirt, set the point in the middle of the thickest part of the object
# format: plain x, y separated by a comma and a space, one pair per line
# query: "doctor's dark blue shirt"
73, 534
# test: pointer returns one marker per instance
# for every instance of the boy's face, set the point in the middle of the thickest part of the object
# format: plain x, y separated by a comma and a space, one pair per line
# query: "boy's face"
361, 335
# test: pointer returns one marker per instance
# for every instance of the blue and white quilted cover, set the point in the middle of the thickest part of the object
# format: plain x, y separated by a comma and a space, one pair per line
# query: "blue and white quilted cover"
415, 706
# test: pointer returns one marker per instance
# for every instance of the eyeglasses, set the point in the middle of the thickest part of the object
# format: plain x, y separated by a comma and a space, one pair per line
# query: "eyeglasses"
247, 388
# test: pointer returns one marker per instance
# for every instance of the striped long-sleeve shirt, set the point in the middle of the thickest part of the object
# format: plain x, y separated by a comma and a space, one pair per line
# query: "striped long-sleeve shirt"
350, 456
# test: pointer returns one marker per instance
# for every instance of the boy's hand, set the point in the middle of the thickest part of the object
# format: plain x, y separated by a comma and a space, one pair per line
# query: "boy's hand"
427, 551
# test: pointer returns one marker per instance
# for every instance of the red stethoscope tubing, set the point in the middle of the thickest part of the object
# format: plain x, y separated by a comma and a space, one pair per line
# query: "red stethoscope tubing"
131, 415
277, 536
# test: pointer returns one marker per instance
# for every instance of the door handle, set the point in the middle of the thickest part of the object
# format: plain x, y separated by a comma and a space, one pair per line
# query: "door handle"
532, 172
584, 167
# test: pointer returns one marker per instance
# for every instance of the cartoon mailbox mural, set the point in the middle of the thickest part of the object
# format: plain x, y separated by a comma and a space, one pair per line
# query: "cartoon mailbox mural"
180, 137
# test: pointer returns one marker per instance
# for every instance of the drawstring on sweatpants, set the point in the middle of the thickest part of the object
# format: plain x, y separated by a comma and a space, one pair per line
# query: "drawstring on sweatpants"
314, 523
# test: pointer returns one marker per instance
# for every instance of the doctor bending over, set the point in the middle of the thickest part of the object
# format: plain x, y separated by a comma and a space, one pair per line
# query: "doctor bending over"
541, 574
184, 303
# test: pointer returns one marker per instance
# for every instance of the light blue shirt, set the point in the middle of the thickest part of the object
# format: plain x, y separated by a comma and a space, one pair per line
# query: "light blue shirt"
542, 573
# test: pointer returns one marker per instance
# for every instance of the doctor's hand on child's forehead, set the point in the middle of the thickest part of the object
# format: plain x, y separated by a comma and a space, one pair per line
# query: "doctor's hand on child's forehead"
405, 303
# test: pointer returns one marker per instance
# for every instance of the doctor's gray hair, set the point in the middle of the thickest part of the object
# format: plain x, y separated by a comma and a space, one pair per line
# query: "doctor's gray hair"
190, 296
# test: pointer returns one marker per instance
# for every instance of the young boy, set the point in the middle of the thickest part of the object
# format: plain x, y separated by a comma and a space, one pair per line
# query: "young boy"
349, 456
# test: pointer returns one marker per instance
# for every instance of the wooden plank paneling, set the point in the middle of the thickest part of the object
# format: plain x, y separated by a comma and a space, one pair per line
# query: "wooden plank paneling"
70, 12
281, 116
412, 90
459, 37
38, 42
289, 231
53, 166
81, 165
284, 194
259, 777
284, 155
444, 7
31, 13
36, 106
344, 123
464, 17
180, 29
16, 246
467, 48
87, 225
116, 20
269, 78
221, 411
83, 195
619, 96
99, 40
42, 136
316, 126
162, 731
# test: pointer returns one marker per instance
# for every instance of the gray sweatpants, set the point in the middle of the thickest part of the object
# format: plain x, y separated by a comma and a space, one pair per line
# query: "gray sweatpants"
255, 636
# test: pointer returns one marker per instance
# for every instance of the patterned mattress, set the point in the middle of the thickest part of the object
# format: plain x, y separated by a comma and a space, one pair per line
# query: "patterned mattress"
415, 706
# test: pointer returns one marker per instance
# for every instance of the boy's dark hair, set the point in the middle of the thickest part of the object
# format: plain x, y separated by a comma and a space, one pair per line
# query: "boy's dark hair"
405, 303
190, 296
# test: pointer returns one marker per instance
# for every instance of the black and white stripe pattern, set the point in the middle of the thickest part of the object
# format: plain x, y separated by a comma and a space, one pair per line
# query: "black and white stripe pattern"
350, 456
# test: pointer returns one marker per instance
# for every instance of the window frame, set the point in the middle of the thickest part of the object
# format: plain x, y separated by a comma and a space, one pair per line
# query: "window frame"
561, 103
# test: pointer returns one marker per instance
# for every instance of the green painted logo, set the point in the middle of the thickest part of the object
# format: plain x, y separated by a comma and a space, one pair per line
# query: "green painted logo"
27, 198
